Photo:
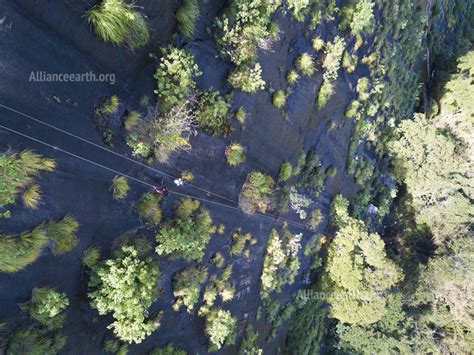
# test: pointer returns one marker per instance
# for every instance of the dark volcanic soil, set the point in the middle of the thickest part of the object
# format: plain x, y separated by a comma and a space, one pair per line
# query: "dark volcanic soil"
52, 36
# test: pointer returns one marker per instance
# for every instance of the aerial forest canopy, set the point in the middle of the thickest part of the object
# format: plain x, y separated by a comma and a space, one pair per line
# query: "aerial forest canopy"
237, 177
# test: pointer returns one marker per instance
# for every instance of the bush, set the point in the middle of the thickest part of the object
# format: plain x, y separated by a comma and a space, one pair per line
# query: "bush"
220, 328
325, 92
132, 120
187, 287
352, 108
186, 17
148, 208
279, 98
63, 234
305, 64
109, 106
349, 62
256, 192
16, 172
212, 113
314, 218
91, 257
32, 196
339, 211
292, 77
20, 251
317, 43
285, 171
240, 241
117, 22
119, 187
168, 349
247, 79
187, 175
332, 171
363, 88
240, 115
249, 342
218, 260
125, 287
47, 307
332, 61
34, 340
363, 18
175, 76
235, 154
186, 236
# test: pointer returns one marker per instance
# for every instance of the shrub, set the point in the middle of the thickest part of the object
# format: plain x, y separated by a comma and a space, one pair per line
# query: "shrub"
285, 171
317, 43
292, 77
119, 187
235, 154
349, 62
247, 79
362, 88
47, 307
217, 286
91, 257
325, 92
248, 345
256, 192
109, 106
132, 120
63, 234
187, 287
32, 196
240, 115
299, 8
148, 208
363, 18
220, 328
20, 251
117, 22
218, 259
187, 234
305, 64
34, 340
339, 211
332, 171
314, 218
187, 175
212, 112
279, 98
168, 349
332, 61
186, 17
352, 108
312, 175
16, 172
125, 287
240, 241
175, 76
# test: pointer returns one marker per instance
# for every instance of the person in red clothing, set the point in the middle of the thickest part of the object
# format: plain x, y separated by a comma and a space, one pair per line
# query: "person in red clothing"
162, 190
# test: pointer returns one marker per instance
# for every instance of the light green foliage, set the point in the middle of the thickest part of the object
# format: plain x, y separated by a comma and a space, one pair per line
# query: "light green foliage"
34, 340
299, 8
16, 173
256, 193
363, 17
305, 64
314, 218
212, 113
187, 234
317, 43
285, 171
186, 17
358, 272
240, 241
47, 306
125, 287
187, 287
300, 163
325, 92
168, 349
240, 115
249, 342
299, 202
363, 88
63, 234
148, 208
220, 328
132, 120
339, 211
117, 22
349, 61
217, 286
247, 79
235, 154
32, 196
331, 171
119, 187
280, 263
91, 257
332, 61
435, 174
108, 106
352, 108
175, 76
292, 76
17, 252
279, 98
218, 259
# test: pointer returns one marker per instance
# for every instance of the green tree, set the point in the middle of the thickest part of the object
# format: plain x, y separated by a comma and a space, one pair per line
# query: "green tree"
220, 328
47, 306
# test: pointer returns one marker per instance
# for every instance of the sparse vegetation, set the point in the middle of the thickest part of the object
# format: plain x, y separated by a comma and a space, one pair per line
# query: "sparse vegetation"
247, 79
240, 241
187, 287
256, 193
148, 208
325, 92
119, 187
240, 115
108, 106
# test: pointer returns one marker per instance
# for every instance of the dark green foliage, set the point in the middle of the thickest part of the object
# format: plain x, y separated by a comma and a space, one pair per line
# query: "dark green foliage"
108, 106
314, 218
35, 341
240, 241
187, 287
212, 113
47, 307
117, 22
218, 259
312, 174
63, 234
249, 342
256, 193
187, 234
186, 17
148, 208
285, 171
119, 187
168, 349
90, 257
339, 211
